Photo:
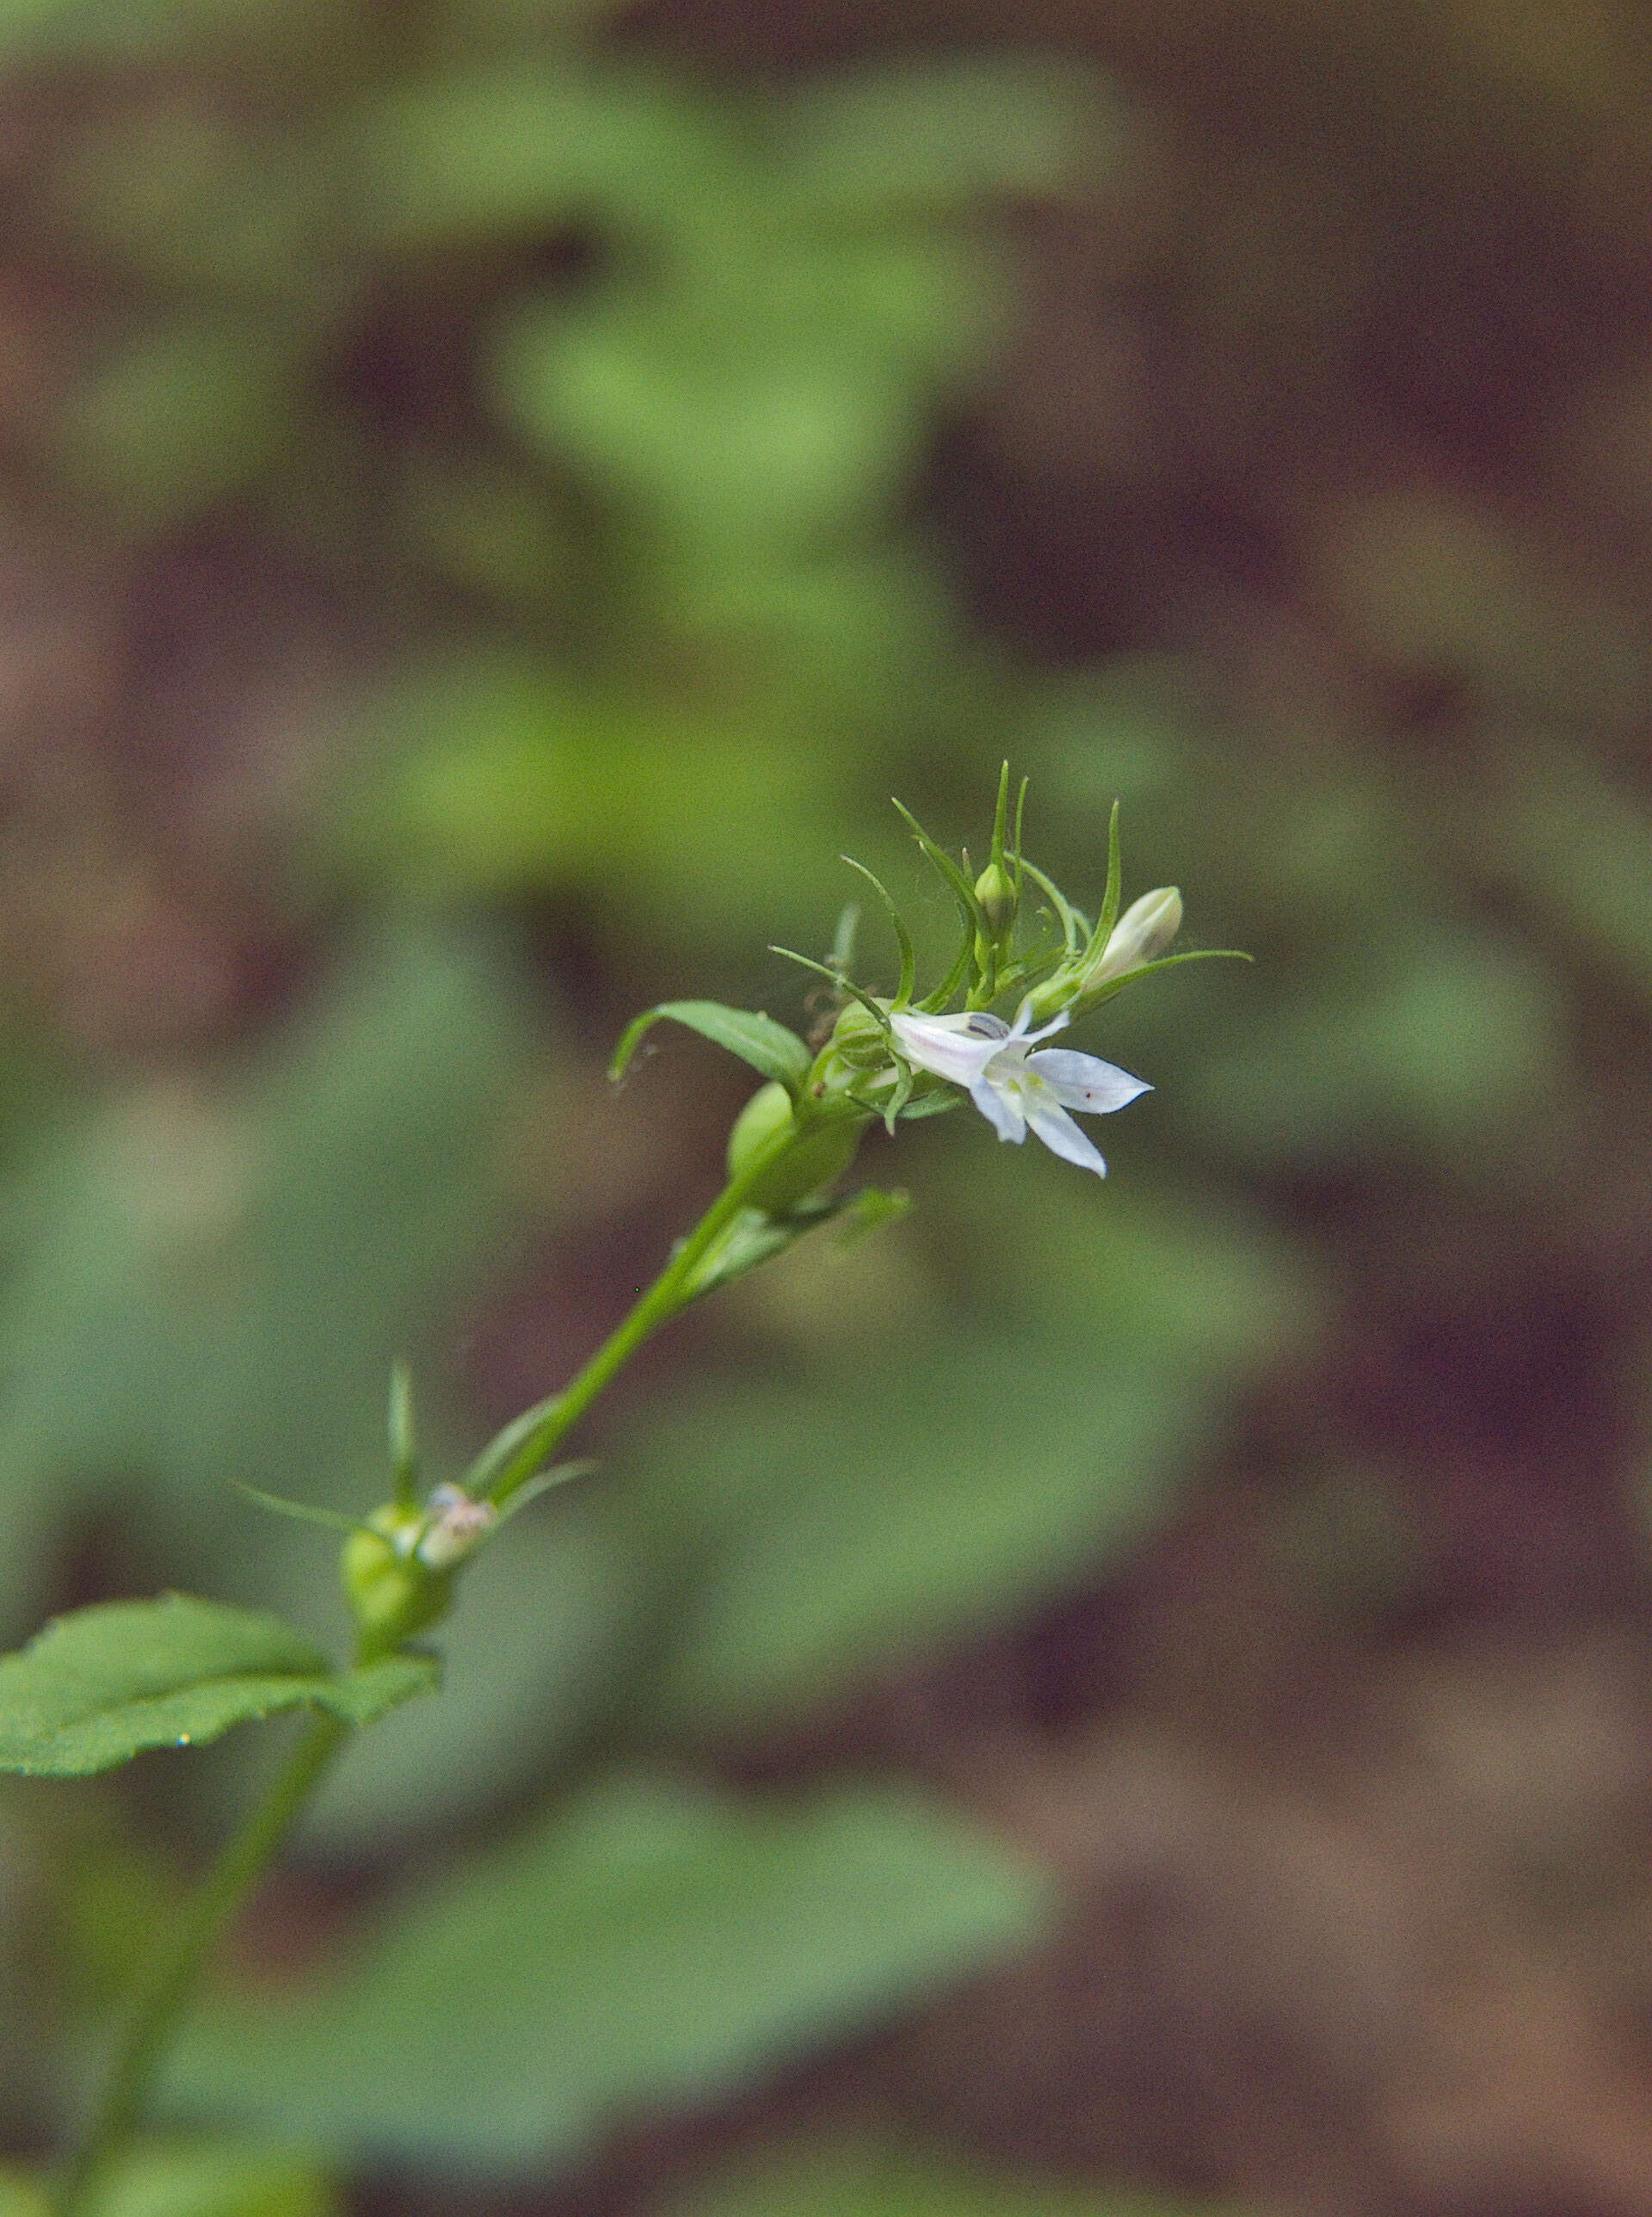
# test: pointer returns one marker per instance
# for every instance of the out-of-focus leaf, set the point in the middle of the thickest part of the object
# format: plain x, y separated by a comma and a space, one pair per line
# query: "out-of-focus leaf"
486, 156
1576, 845
504, 776
97, 1688
843, 2177
809, 1532
936, 136
789, 446
21, 2195
107, 30
186, 199
211, 1280
1433, 1045
654, 1944
211, 2178
184, 415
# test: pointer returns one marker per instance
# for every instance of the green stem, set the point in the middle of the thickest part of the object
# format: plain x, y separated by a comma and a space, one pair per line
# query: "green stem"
173, 1970
171, 1975
670, 1291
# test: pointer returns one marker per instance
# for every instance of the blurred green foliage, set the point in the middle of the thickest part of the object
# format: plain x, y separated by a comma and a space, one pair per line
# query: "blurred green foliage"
843, 2178
594, 399
647, 1943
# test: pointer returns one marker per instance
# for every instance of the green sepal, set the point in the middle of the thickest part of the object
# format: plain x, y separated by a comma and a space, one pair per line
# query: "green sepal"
404, 1436
769, 1047
1102, 994
559, 1473
975, 917
872, 1206
908, 959
933, 1002
1111, 897
510, 1458
1073, 926
931, 1104
303, 1512
844, 985
842, 958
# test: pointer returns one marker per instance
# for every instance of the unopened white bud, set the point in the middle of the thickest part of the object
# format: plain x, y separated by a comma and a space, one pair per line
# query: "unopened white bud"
1141, 935
456, 1526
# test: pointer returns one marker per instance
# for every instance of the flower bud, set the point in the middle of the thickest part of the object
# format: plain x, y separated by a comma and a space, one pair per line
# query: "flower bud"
454, 1527
996, 895
819, 1152
392, 1595
1141, 935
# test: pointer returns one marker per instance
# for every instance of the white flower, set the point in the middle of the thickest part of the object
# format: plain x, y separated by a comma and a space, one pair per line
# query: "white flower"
1014, 1087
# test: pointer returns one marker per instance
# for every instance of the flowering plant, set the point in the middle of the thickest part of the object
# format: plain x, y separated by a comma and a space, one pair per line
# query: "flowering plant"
103, 1684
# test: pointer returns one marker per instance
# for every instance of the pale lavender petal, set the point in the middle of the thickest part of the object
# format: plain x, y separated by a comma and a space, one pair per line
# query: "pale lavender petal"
1002, 1108
1084, 1082
943, 1047
1019, 1030
1062, 1136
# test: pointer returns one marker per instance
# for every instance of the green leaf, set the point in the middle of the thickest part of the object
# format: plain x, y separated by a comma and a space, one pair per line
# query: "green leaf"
805, 1532
753, 1237
372, 1690
493, 155
210, 1276
767, 1047
205, 2178
841, 2178
97, 1688
652, 1944
930, 136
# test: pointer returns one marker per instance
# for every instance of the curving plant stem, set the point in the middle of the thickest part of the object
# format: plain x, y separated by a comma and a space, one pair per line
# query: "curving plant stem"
169, 1978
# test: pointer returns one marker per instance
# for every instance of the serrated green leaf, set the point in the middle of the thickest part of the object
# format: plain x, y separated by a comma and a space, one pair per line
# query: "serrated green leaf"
655, 1944
98, 1687
769, 1047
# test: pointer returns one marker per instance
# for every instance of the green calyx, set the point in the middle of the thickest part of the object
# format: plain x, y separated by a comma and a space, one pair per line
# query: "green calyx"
392, 1595
819, 1151
859, 1039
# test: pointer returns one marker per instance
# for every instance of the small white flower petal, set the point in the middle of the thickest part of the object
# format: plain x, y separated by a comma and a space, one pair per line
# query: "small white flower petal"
1019, 1030
1084, 1082
947, 1046
1061, 1135
998, 1098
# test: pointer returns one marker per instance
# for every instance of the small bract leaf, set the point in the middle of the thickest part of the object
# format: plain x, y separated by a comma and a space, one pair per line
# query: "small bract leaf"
97, 1688
756, 1038
363, 1695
